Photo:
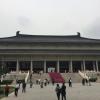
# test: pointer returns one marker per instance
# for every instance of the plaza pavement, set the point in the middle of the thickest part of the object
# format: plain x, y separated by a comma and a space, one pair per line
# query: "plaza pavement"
77, 92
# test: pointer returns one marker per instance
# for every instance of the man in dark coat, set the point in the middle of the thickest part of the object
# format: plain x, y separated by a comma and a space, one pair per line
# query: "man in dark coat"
63, 91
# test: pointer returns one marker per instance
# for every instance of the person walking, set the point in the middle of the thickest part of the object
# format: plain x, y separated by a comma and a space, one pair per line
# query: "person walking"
16, 89
58, 91
23, 87
63, 91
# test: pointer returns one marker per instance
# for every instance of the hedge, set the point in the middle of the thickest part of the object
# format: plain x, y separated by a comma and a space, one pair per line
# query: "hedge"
6, 82
2, 91
93, 79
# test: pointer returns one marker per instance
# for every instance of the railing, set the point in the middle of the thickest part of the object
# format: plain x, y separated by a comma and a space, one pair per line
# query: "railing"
83, 75
26, 78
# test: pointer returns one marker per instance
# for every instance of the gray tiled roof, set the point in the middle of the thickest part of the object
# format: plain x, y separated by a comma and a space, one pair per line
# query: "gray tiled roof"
22, 38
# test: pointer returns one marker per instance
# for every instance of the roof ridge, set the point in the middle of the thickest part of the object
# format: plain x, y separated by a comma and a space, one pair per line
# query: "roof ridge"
18, 35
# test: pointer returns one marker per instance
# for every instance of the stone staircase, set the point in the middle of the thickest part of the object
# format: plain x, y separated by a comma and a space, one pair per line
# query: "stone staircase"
76, 78
98, 77
43, 76
14, 76
93, 74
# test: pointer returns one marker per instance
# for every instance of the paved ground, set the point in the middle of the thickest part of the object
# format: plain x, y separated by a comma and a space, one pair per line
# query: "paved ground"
77, 92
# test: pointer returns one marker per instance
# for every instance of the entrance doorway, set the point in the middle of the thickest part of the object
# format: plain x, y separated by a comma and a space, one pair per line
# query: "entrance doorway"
51, 69
51, 66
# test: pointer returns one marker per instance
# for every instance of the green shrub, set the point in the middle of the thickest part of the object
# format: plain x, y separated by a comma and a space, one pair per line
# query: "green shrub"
1, 91
93, 79
6, 82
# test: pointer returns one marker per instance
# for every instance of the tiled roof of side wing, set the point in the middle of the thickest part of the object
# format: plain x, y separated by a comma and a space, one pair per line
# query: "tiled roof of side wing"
48, 38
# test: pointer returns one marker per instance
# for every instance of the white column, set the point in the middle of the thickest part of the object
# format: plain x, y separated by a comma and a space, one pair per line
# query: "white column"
84, 65
97, 65
82, 69
94, 68
2, 64
31, 66
70, 66
58, 66
44, 66
17, 66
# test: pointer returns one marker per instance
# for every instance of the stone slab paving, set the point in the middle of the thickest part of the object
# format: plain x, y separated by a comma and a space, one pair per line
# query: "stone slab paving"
77, 92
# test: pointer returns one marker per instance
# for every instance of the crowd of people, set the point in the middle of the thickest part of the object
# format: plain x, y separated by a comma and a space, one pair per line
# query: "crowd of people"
42, 83
86, 82
17, 87
60, 90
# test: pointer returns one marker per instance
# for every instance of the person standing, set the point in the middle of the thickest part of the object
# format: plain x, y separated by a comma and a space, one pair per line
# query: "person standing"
53, 82
31, 84
63, 91
58, 91
89, 81
6, 90
70, 82
83, 82
41, 84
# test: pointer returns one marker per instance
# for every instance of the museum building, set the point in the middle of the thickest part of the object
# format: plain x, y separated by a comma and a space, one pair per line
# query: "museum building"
49, 53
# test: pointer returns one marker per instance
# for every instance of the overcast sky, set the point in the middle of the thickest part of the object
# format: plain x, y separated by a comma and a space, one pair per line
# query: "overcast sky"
50, 17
